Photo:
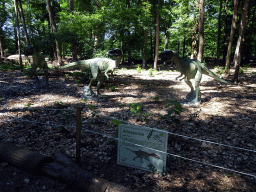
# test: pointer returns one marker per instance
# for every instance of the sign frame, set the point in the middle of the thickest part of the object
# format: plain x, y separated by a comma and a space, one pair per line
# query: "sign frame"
142, 147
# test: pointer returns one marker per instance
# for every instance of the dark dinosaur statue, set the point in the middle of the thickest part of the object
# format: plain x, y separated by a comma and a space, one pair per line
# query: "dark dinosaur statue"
191, 69
38, 62
99, 67
142, 154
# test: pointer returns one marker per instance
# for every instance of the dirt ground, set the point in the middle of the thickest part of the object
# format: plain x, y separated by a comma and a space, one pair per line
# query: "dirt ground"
227, 115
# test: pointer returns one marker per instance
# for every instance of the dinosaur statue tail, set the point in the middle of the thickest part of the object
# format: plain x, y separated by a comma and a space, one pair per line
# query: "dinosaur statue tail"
71, 65
213, 75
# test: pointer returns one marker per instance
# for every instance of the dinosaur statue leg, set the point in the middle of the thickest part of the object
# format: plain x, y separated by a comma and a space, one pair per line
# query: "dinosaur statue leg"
198, 78
191, 95
95, 72
101, 79
33, 73
189, 84
46, 74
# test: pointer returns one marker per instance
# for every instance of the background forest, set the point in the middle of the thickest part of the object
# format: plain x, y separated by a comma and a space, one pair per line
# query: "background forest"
211, 146
141, 28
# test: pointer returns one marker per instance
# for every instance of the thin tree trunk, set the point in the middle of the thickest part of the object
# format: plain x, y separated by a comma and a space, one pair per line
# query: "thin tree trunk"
166, 39
144, 51
18, 34
53, 30
23, 22
231, 37
184, 44
201, 31
242, 26
74, 47
194, 47
1, 47
157, 37
219, 33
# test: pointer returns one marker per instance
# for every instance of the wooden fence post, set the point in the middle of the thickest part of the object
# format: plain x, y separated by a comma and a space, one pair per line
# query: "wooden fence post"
78, 134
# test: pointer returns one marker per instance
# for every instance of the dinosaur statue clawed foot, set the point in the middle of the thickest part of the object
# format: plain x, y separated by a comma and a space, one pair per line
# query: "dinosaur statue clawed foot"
191, 99
89, 94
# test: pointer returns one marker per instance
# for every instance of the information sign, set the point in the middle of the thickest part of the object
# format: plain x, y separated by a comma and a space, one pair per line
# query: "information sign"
142, 147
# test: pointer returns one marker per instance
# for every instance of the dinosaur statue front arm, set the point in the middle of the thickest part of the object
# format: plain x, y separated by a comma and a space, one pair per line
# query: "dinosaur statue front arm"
191, 69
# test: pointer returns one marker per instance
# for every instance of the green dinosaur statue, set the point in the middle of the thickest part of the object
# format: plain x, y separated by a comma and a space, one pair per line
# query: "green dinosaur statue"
142, 154
191, 69
38, 62
99, 67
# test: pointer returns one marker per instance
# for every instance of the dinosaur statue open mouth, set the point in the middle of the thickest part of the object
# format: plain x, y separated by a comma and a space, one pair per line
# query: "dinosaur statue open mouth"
166, 55
114, 52
29, 50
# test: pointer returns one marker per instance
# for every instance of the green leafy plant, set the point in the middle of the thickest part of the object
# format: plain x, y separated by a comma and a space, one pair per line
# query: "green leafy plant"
29, 104
58, 103
241, 71
116, 123
171, 116
219, 70
139, 69
9, 67
150, 72
78, 74
113, 88
91, 106
136, 108
78, 82
67, 76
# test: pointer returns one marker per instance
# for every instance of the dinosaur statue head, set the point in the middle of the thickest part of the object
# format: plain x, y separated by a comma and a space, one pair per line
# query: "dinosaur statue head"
29, 50
114, 52
166, 55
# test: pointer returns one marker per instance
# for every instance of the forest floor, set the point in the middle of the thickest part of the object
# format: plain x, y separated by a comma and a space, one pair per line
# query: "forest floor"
227, 115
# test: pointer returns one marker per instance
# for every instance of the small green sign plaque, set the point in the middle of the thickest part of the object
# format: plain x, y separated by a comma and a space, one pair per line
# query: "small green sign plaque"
142, 147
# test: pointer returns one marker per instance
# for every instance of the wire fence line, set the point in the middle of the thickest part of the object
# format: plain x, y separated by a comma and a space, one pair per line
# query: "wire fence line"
174, 155
175, 134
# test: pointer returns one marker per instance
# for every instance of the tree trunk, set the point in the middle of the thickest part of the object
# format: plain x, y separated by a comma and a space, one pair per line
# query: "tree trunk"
144, 51
53, 30
1, 47
157, 36
74, 47
231, 37
166, 39
201, 31
219, 33
194, 47
184, 45
242, 26
18, 34
23, 22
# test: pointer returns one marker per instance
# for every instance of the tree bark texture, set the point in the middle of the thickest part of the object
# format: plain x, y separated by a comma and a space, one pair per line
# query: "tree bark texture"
231, 37
242, 26
18, 35
60, 168
53, 30
74, 47
1, 47
219, 32
157, 37
201, 31
23, 22
144, 51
